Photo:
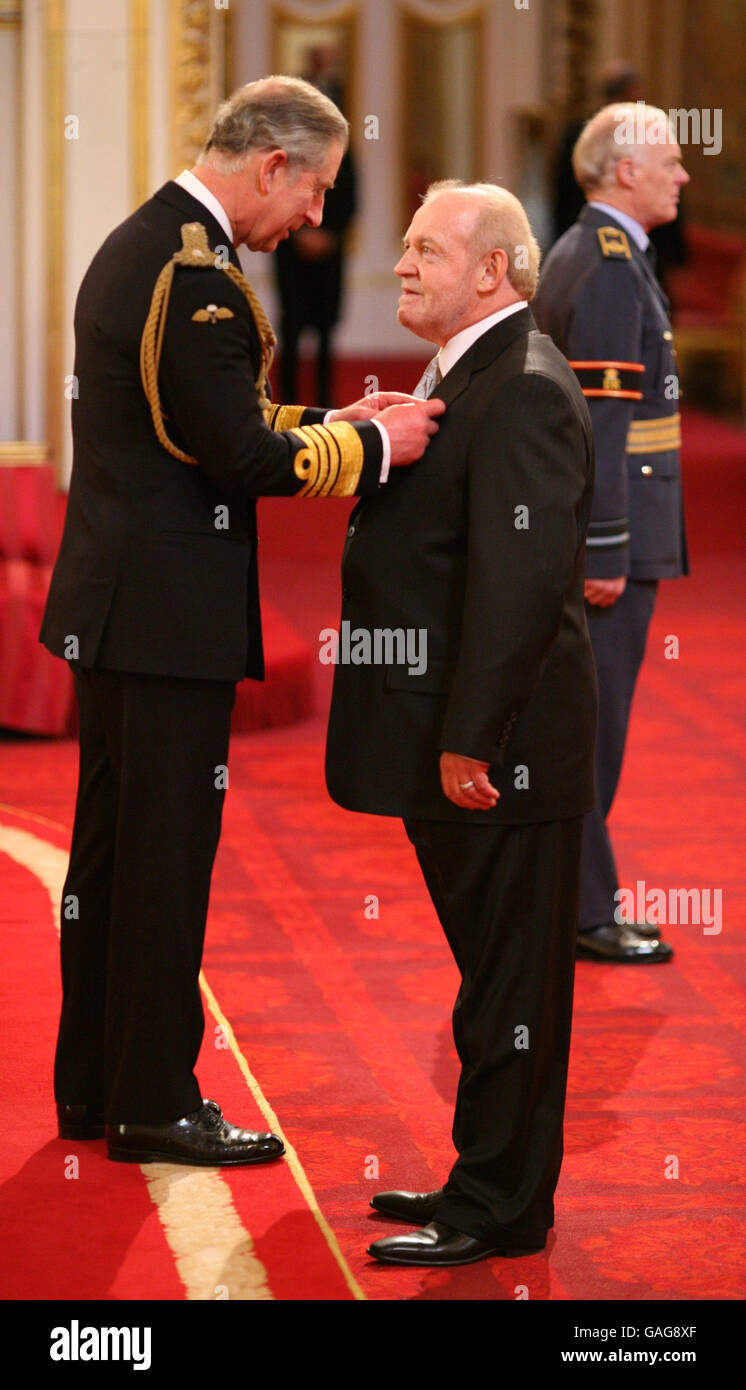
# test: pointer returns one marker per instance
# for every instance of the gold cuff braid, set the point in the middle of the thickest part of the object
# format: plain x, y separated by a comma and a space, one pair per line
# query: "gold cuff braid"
331, 462
195, 252
284, 417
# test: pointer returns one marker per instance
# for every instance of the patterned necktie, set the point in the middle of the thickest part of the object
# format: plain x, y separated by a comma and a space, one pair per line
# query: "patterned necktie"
430, 379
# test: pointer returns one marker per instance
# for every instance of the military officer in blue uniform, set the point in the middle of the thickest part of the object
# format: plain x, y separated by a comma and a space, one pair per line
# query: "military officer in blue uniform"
600, 301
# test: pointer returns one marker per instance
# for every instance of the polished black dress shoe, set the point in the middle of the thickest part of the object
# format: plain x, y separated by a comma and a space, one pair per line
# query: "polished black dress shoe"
80, 1121
440, 1245
621, 944
415, 1207
203, 1139
648, 929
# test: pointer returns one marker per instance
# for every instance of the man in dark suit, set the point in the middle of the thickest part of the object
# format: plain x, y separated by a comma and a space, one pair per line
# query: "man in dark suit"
154, 600
309, 271
486, 748
309, 266
601, 302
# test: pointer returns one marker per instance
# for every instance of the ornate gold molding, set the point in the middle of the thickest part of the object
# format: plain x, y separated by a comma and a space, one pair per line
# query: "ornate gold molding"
191, 86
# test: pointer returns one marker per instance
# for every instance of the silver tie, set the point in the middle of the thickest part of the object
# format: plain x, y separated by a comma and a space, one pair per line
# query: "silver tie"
430, 379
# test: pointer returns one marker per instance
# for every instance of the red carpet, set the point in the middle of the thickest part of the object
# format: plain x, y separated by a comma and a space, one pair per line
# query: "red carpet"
344, 1019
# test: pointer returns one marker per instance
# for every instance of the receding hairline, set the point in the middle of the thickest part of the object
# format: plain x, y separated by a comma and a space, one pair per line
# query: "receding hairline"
479, 197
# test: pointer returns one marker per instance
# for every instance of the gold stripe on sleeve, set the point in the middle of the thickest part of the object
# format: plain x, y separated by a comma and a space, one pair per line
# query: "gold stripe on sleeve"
331, 462
284, 417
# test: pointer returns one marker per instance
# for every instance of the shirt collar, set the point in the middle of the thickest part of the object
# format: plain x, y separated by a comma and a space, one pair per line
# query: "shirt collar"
635, 229
189, 181
460, 342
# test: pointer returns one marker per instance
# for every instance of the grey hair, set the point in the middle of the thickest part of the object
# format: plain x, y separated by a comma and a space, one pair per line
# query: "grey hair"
275, 113
610, 136
500, 224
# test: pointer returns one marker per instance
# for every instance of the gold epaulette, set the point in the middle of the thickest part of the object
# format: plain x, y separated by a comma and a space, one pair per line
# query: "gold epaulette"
331, 462
284, 417
196, 252
614, 244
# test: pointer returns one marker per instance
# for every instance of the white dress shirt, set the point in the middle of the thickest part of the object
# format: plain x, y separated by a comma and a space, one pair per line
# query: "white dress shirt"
189, 181
461, 342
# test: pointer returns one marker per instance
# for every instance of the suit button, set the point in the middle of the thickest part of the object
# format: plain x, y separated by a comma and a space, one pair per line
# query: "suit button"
646, 469
345, 595
350, 530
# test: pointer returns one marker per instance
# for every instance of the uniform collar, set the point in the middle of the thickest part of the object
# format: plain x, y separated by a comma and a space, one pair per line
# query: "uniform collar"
193, 209
193, 185
630, 225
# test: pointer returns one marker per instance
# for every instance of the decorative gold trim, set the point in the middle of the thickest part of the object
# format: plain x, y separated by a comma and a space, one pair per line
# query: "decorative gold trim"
54, 34
191, 87
332, 461
284, 417
27, 452
138, 57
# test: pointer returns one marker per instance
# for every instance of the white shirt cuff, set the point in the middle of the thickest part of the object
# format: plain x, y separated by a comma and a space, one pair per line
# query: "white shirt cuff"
386, 459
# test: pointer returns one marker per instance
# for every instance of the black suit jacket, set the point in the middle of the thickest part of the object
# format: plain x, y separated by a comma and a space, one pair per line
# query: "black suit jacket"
157, 568
482, 545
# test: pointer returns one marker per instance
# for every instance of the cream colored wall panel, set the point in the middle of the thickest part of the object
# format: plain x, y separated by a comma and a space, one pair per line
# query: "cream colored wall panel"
9, 224
97, 153
158, 93
33, 222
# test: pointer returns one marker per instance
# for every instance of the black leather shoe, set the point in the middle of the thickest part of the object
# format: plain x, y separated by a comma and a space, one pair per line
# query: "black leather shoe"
80, 1121
440, 1245
203, 1139
415, 1207
647, 929
621, 944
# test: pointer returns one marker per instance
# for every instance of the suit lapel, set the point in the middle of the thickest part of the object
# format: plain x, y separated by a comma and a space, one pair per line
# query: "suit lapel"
483, 352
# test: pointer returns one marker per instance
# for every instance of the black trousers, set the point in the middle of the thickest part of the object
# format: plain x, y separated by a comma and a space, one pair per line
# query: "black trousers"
507, 900
147, 824
618, 636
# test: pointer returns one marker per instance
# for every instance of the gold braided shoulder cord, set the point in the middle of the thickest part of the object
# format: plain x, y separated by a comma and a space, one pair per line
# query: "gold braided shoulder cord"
195, 251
